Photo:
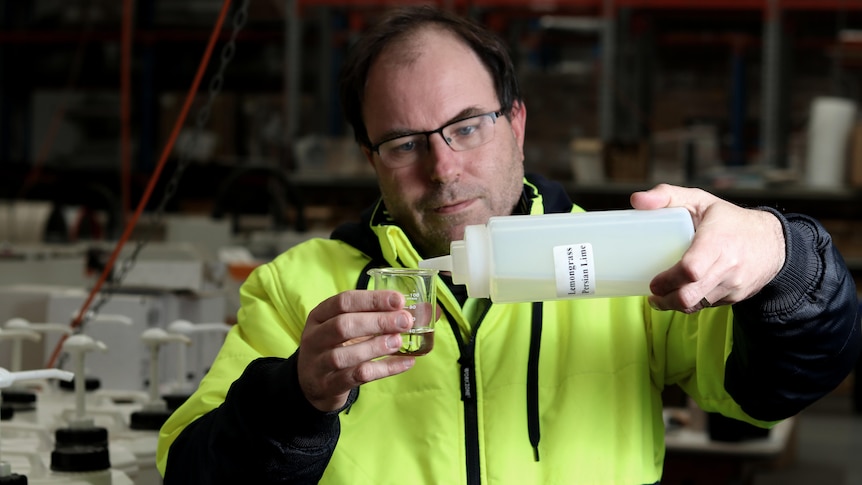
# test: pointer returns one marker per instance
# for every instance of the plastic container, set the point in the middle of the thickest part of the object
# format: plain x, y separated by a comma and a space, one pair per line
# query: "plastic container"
33, 465
562, 256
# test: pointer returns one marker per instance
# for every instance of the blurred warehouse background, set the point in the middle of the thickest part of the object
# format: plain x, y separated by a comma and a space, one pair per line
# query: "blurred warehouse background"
101, 164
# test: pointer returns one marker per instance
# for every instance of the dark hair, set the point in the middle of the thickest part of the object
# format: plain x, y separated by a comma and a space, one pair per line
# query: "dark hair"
401, 22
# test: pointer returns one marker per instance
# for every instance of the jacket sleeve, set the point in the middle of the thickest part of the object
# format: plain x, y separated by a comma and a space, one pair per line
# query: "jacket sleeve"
799, 337
265, 432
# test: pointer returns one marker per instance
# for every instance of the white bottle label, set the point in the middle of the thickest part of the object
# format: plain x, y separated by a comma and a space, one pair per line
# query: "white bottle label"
574, 269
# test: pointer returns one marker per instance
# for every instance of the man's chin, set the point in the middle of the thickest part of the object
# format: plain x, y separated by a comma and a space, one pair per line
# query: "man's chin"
436, 239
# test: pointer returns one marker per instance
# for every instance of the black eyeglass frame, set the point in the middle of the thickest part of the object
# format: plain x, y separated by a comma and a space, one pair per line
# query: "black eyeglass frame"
493, 114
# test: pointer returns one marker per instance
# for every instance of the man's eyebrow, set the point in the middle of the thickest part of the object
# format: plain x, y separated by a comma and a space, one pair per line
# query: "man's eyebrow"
466, 113
398, 133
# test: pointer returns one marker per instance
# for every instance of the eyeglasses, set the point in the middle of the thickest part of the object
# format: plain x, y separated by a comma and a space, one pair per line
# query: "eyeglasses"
461, 135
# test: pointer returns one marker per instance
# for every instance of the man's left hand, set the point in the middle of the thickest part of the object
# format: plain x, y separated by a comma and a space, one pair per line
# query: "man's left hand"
735, 251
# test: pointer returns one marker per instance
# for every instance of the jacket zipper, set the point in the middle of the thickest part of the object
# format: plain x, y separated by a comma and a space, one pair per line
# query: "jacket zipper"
471, 412
468, 396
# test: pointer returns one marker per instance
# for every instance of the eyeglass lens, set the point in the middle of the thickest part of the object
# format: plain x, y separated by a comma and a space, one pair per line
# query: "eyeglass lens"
460, 136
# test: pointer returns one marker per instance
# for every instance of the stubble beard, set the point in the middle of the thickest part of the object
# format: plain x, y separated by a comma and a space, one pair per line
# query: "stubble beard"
435, 232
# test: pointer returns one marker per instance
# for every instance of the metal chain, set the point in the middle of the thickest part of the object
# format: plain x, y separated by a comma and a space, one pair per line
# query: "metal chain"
240, 18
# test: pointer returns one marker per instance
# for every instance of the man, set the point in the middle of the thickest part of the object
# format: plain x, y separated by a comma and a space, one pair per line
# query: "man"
555, 392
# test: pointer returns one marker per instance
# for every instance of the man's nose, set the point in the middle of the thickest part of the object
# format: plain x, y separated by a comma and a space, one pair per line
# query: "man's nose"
443, 162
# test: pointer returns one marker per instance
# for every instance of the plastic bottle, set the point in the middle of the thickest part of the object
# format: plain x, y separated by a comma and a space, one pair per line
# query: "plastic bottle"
572, 255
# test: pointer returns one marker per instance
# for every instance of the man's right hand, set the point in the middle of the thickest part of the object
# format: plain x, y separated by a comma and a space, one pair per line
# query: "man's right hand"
343, 340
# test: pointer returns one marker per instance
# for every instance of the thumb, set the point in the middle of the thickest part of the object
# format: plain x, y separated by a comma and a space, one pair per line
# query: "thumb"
662, 195
655, 198
697, 201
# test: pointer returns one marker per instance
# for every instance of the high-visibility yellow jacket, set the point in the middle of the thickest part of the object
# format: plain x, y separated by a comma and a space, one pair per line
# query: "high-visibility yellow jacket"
564, 392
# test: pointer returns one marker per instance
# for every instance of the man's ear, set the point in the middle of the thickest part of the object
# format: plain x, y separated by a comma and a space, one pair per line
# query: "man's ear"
369, 155
518, 120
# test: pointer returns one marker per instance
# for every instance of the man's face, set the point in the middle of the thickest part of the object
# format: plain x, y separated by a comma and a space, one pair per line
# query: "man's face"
422, 84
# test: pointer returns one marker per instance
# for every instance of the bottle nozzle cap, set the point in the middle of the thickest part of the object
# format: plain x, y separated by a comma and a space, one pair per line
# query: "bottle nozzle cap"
442, 263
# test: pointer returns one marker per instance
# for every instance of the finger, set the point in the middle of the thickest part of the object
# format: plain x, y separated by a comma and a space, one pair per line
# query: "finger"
356, 352
655, 198
353, 327
684, 286
371, 371
328, 390
664, 195
356, 314
694, 268
675, 301
356, 301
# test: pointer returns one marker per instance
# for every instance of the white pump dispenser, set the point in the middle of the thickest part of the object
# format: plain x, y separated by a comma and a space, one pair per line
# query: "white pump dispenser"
573, 255
7, 379
187, 328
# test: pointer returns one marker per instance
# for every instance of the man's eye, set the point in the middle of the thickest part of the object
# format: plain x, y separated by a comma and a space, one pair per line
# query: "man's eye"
406, 147
466, 130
